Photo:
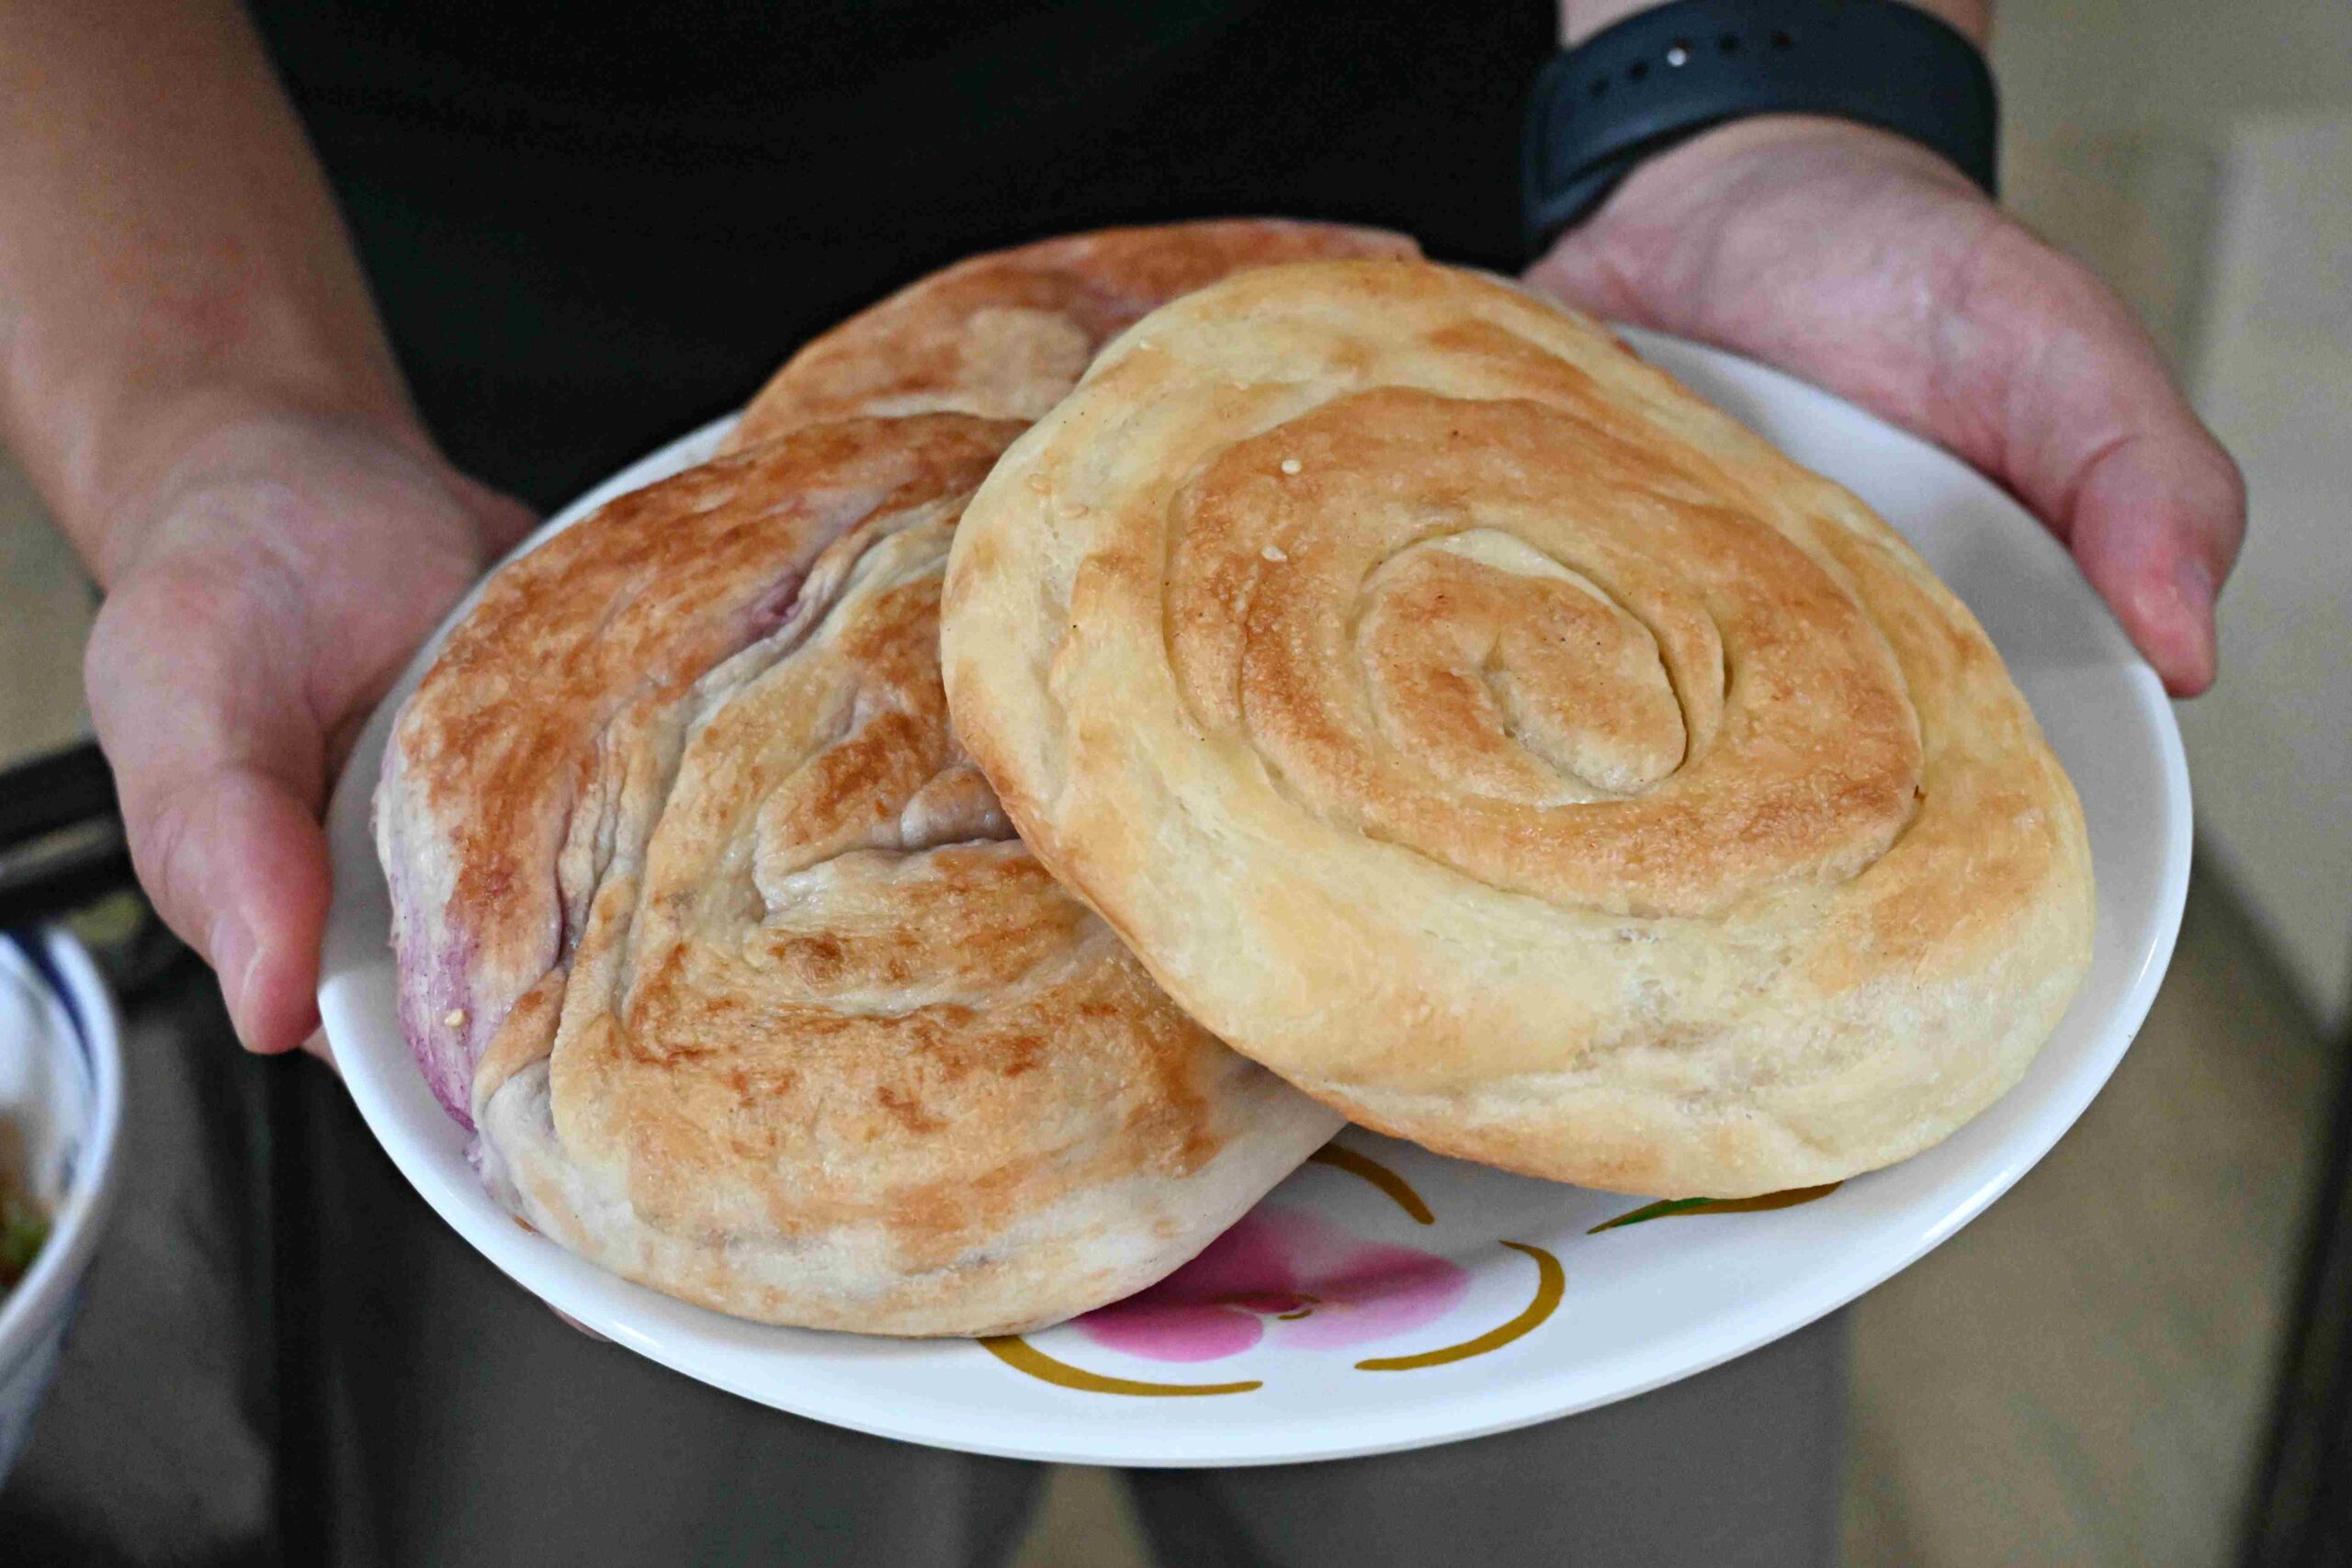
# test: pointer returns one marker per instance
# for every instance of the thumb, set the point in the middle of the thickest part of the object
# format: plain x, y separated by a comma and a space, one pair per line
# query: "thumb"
240, 869
2021, 360
218, 763
2047, 379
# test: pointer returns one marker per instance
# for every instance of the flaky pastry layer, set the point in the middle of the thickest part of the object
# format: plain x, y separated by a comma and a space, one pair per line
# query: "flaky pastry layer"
710, 928
1007, 334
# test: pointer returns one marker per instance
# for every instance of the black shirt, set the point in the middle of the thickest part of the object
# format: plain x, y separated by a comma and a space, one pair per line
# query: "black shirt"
591, 226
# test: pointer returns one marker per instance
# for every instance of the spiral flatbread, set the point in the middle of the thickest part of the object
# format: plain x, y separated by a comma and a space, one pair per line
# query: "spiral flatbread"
709, 928
1461, 719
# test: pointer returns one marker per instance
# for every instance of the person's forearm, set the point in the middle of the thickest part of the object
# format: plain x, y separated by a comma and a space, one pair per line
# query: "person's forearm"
169, 251
1579, 19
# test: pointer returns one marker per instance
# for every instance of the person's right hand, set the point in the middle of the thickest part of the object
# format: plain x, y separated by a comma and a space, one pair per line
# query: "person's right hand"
277, 567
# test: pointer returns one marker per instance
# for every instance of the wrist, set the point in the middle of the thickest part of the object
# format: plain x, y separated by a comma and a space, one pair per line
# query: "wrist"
1772, 148
163, 443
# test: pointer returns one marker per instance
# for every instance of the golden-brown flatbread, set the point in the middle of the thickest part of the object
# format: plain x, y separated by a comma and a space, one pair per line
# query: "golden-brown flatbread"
726, 951
1459, 717
1007, 334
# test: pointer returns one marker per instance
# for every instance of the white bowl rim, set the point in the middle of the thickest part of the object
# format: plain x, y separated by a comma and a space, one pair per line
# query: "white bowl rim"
45, 1293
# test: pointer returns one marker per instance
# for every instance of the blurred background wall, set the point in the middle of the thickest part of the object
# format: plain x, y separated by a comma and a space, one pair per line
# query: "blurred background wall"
2200, 154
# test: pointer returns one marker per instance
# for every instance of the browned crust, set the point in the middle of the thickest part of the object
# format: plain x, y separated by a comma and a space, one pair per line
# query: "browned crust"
1457, 715
1008, 334
767, 1007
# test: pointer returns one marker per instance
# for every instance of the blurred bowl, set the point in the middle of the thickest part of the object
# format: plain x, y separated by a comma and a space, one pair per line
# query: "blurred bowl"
61, 1087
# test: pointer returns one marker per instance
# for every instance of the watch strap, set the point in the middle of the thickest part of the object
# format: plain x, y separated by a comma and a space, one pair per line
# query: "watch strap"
1661, 76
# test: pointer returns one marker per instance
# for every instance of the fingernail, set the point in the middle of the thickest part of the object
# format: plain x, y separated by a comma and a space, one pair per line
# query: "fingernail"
234, 954
2192, 587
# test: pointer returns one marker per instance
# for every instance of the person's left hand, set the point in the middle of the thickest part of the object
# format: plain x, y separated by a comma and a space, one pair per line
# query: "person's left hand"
1868, 266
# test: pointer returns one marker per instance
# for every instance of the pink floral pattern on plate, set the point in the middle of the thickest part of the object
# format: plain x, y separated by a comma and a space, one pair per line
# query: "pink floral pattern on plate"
1313, 1284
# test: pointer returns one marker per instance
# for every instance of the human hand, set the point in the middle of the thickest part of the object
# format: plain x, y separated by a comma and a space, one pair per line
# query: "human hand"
268, 578
1868, 266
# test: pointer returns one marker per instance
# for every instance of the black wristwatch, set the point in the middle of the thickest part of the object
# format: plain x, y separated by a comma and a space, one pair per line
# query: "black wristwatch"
1661, 76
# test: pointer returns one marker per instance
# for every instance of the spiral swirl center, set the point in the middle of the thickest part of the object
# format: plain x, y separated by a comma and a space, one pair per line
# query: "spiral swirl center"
1498, 634
1516, 677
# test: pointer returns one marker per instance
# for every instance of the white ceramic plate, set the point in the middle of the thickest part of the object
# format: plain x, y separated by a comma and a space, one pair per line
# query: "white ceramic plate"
1384, 1298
